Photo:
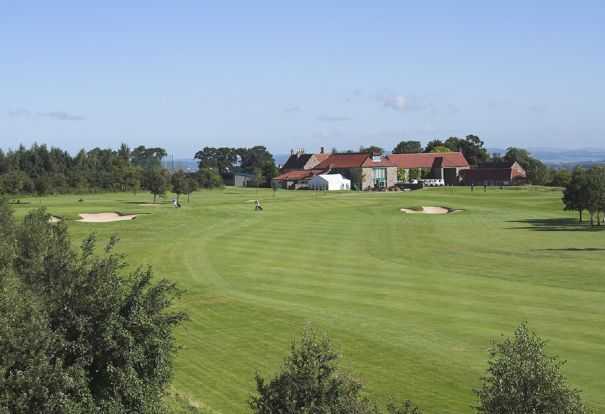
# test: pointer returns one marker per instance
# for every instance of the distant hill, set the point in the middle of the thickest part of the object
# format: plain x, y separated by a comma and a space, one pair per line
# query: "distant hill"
567, 158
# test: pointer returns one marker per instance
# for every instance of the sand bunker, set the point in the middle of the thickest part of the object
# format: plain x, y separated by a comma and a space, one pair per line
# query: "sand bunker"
105, 217
430, 210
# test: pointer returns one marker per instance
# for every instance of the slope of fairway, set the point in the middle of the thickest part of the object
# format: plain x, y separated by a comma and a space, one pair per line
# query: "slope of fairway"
411, 300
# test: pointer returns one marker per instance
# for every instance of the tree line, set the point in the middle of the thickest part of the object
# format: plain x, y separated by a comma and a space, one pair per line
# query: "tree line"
473, 149
585, 191
41, 170
228, 161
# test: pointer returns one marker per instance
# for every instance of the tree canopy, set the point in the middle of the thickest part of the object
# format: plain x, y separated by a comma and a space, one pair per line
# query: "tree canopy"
523, 378
407, 147
227, 161
77, 333
311, 381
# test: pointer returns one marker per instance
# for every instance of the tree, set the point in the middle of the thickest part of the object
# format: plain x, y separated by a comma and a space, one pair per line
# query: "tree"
407, 147
42, 185
82, 336
7, 236
221, 159
433, 144
156, 182
32, 378
372, 150
575, 194
471, 147
178, 180
537, 172
310, 382
408, 407
12, 182
441, 148
147, 158
595, 193
523, 378
209, 178
132, 178
190, 187
560, 178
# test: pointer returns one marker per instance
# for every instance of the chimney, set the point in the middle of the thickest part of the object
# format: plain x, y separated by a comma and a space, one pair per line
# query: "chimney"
321, 151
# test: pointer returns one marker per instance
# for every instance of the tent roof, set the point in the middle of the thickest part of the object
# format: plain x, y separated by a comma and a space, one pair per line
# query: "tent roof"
333, 178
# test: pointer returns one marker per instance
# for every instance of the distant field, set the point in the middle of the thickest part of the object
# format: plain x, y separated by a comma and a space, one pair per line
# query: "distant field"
412, 301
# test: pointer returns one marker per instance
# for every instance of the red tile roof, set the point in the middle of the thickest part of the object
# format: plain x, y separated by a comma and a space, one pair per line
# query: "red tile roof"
383, 162
351, 160
297, 175
426, 160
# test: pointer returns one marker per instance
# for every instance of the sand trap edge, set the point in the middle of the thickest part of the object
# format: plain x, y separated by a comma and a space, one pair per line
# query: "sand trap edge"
105, 217
431, 210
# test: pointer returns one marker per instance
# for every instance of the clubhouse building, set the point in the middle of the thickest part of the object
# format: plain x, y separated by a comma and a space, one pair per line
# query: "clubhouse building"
371, 172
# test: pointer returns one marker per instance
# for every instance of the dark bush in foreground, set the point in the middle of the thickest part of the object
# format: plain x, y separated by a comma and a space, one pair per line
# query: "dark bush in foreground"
310, 382
77, 335
522, 378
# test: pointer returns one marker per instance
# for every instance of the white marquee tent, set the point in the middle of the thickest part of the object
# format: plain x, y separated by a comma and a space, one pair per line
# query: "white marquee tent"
330, 182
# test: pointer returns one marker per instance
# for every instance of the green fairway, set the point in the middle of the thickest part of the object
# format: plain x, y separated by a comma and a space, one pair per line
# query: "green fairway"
411, 300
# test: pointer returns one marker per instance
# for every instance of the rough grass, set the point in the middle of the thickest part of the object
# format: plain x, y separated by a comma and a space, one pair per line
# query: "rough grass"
413, 301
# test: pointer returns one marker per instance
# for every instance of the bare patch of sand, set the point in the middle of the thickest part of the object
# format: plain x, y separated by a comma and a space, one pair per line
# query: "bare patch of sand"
105, 217
54, 219
429, 210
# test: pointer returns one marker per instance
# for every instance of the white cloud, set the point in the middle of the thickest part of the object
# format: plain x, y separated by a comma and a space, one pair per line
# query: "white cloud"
56, 115
292, 109
333, 118
397, 103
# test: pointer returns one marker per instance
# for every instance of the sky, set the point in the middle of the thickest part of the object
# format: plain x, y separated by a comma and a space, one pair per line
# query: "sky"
188, 74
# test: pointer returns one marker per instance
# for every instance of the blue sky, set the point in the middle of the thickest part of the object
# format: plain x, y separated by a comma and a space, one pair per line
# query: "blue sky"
186, 74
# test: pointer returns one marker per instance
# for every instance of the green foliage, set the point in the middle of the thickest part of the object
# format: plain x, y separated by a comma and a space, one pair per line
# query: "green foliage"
310, 382
430, 147
190, 186
523, 378
560, 178
407, 147
537, 172
408, 407
471, 146
7, 235
225, 161
178, 180
32, 378
586, 191
77, 335
145, 158
156, 182
441, 148
38, 170
372, 150
221, 160
209, 178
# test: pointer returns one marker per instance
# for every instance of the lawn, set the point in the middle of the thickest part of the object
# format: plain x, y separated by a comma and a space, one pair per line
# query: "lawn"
411, 300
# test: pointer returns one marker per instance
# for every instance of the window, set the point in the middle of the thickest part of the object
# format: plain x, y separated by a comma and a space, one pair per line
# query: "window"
380, 177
